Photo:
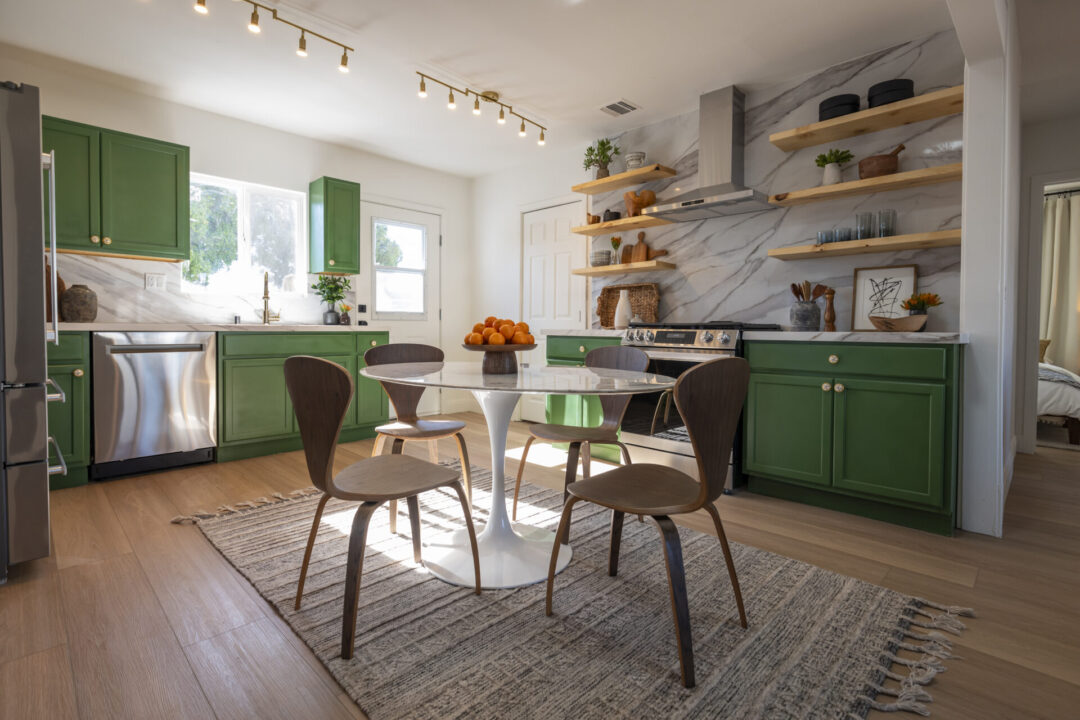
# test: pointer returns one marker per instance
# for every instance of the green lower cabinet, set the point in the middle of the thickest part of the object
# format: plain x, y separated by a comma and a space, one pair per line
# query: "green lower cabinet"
789, 426
577, 410
69, 421
255, 400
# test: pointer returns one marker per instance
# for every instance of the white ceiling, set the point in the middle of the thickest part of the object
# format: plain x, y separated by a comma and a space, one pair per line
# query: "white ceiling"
555, 60
1049, 57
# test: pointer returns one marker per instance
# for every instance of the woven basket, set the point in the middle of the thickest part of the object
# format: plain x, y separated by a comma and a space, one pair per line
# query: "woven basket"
644, 302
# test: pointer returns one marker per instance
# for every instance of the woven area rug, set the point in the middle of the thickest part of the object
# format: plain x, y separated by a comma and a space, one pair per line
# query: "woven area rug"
819, 645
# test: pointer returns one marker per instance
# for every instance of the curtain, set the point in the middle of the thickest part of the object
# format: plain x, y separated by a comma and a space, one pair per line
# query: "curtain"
1059, 306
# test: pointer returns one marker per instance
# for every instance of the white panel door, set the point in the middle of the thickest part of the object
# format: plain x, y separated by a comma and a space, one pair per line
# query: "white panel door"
552, 298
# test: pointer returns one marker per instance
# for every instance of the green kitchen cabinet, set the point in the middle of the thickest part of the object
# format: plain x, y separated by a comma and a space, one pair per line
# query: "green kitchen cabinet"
871, 429
69, 421
255, 399
119, 194
334, 216
577, 410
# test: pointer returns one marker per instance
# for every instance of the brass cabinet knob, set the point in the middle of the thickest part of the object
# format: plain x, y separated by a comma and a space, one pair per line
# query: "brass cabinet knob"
374, 343
833, 359
94, 239
581, 348
77, 372
826, 387
106, 241
839, 387
330, 262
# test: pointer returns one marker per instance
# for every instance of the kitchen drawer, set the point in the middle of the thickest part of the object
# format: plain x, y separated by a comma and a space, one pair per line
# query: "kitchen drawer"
74, 347
251, 344
568, 347
919, 362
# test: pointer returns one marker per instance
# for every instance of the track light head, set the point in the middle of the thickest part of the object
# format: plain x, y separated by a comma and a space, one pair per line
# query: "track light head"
521, 130
423, 88
200, 7
450, 104
344, 66
541, 140
502, 116
301, 49
476, 107
253, 24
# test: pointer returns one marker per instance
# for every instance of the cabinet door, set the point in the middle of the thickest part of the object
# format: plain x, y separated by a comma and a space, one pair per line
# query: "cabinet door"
78, 198
889, 439
144, 197
69, 421
349, 363
372, 405
335, 226
255, 402
789, 427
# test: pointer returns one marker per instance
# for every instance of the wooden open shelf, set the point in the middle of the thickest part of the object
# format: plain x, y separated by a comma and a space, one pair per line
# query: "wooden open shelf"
939, 103
896, 181
624, 179
916, 241
625, 224
624, 268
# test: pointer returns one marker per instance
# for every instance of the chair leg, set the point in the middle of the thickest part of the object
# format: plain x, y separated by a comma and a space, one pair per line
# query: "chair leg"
667, 407
307, 550
472, 532
521, 471
586, 459
433, 451
564, 526
727, 558
380, 445
395, 449
466, 468
627, 461
353, 568
677, 587
571, 476
414, 521
616, 541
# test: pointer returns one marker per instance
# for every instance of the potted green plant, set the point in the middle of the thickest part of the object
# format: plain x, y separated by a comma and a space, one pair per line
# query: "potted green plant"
919, 303
331, 290
831, 162
599, 155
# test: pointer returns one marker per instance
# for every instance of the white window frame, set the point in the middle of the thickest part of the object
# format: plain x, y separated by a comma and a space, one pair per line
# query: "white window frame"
375, 268
243, 229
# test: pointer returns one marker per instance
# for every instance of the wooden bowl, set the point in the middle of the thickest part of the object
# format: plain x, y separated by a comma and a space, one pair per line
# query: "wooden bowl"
907, 323
878, 165
499, 359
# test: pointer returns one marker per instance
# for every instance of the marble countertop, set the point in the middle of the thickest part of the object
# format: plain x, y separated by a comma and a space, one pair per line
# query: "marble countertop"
216, 327
924, 338
585, 332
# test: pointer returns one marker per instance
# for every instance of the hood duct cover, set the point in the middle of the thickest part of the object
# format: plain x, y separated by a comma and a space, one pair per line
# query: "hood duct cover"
721, 191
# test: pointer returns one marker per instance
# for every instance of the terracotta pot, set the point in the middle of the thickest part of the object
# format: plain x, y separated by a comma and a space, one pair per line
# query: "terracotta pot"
78, 304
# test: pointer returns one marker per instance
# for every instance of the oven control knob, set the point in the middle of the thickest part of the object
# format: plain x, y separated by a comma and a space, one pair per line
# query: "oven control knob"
639, 335
707, 337
649, 336
629, 334
725, 338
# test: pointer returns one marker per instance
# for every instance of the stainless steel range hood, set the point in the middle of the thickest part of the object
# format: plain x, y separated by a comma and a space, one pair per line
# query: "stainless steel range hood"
720, 165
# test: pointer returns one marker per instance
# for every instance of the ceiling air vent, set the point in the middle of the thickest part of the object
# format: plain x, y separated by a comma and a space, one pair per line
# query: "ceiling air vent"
619, 108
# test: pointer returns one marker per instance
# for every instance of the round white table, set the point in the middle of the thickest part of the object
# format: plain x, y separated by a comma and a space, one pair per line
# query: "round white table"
511, 554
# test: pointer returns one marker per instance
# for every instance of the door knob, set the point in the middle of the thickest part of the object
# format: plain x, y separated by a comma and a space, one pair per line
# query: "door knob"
94, 239
833, 359
106, 241
77, 372
826, 387
839, 387
330, 262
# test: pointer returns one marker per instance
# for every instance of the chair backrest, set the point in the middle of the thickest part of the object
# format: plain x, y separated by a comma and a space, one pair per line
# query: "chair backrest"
616, 357
320, 391
404, 398
710, 398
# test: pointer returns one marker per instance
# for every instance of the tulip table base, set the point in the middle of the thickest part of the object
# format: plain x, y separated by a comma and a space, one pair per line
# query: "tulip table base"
511, 554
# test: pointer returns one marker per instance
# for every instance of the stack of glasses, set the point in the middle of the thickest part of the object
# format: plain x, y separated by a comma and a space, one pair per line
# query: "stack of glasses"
867, 225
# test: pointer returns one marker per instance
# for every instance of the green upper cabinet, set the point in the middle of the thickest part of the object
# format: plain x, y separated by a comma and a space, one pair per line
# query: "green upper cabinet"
118, 194
788, 426
335, 226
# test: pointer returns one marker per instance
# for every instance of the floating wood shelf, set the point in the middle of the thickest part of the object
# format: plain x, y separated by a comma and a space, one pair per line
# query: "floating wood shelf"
916, 241
939, 103
638, 222
645, 266
624, 179
896, 181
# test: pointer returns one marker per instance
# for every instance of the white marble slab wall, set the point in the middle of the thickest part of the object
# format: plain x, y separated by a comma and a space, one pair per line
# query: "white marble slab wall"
723, 269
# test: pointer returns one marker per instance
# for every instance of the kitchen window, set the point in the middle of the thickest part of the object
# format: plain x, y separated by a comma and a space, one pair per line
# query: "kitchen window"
400, 267
241, 230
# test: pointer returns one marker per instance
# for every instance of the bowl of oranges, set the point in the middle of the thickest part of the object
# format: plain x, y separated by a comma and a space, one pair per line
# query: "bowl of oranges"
499, 339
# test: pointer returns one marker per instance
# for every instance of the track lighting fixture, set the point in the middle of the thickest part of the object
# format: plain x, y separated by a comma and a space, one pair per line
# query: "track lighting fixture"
344, 66
488, 96
301, 49
253, 25
200, 7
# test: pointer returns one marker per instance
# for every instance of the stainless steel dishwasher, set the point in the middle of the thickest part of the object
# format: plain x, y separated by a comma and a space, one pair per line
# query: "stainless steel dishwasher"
155, 400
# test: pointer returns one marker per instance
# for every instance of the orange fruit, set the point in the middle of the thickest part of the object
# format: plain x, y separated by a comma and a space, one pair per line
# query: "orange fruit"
507, 330
468, 336
524, 327
489, 321
529, 339
519, 338
476, 339
496, 339
488, 332
478, 328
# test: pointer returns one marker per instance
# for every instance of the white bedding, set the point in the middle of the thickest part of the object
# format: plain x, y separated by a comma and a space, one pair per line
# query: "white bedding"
1057, 398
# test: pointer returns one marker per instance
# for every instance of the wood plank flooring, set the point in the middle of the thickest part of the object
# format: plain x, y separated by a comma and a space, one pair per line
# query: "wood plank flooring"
133, 617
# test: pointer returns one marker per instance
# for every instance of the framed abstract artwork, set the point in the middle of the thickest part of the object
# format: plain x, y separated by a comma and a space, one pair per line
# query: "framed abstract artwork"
880, 291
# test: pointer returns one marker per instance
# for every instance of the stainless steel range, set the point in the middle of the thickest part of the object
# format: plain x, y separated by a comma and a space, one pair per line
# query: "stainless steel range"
652, 427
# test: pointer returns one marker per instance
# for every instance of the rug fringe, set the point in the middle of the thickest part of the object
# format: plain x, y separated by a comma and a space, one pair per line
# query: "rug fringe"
244, 506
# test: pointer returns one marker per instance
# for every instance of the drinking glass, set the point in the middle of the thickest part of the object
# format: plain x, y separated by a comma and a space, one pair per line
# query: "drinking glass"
886, 223
842, 234
864, 225
824, 236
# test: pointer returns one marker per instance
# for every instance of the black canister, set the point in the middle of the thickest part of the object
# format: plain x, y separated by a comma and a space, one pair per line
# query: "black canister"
838, 105
890, 91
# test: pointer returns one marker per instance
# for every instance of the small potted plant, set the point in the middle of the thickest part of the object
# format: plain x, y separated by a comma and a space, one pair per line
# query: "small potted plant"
331, 290
600, 155
831, 162
919, 303
345, 319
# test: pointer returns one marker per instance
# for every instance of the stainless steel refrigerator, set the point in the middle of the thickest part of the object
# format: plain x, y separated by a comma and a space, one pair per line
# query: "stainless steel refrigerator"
24, 434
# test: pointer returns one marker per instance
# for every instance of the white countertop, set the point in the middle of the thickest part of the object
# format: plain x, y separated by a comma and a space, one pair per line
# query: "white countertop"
925, 338
585, 332
212, 327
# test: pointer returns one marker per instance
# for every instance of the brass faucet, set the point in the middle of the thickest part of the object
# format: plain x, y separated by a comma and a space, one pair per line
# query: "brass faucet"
267, 316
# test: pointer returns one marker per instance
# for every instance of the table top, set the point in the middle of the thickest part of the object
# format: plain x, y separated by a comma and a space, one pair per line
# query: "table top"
528, 379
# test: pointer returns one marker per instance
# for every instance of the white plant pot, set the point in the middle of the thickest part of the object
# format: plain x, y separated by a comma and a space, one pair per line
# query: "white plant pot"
831, 175
622, 310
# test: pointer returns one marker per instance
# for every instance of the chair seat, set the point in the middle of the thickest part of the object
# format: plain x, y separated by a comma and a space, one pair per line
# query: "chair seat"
390, 477
421, 429
567, 433
641, 489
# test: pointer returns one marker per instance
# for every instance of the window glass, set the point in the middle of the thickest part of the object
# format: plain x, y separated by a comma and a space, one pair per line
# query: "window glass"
400, 264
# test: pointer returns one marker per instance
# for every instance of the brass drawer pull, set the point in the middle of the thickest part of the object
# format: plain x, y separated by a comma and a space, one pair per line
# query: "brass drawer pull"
331, 262
77, 372
106, 241
95, 240
374, 343
581, 348
839, 387
833, 359
826, 387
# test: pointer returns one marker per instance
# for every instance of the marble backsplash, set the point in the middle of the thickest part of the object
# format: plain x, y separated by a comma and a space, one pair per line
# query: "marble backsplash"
723, 269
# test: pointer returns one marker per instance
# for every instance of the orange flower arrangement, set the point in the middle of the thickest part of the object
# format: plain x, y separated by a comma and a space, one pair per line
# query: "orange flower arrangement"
920, 302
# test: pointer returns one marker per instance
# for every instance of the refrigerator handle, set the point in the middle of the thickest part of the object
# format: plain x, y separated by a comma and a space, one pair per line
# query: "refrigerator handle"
48, 162
60, 469
57, 396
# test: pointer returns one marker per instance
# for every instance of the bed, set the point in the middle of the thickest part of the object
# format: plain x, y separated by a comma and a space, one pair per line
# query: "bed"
1059, 399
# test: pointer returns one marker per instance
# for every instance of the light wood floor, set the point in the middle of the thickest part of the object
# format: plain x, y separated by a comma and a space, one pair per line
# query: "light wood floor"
133, 617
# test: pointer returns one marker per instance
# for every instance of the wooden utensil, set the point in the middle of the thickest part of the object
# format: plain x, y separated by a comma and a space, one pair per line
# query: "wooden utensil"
817, 292
627, 253
806, 290
796, 291
878, 165
650, 254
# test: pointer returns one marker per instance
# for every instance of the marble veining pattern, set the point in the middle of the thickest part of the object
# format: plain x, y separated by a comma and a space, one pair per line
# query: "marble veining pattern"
723, 269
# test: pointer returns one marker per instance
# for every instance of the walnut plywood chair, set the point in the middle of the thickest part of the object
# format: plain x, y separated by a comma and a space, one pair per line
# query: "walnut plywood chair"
613, 357
321, 391
408, 426
710, 397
